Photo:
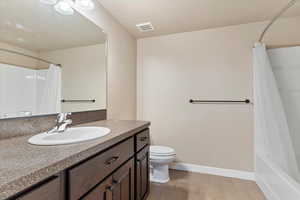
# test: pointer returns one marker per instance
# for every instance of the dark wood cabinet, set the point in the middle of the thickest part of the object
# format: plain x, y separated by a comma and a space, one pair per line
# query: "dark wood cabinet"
142, 174
119, 186
142, 140
123, 182
101, 192
121, 172
86, 175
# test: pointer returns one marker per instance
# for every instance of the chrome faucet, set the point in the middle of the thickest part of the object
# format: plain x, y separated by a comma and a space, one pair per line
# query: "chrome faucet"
62, 123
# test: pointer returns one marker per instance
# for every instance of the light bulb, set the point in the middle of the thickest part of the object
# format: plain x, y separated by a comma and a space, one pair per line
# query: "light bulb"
64, 7
49, 2
85, 4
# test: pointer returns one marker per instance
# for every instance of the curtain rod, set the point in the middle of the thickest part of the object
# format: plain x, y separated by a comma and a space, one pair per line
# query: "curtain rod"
289, 5
33, 57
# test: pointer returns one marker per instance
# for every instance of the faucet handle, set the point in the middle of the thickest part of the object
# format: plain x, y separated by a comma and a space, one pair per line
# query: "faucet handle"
59, 117
63, 116
68, 114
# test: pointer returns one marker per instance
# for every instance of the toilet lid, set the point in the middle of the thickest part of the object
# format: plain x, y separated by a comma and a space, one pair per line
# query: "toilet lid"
161, 150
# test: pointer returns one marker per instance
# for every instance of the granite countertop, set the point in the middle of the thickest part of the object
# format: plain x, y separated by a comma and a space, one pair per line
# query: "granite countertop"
23, 165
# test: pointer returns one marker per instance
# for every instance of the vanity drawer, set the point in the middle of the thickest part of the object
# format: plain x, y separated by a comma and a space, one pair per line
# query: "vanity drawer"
142, 139
84, 177
50, 190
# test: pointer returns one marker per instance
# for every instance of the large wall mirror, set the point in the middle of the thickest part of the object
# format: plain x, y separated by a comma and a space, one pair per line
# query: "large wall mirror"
52, 59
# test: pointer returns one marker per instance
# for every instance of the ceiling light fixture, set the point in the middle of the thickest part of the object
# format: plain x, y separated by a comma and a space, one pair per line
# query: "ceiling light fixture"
85, 4
49, 2
64, 7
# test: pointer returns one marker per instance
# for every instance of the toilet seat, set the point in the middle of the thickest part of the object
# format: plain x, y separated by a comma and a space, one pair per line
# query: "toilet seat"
160, 151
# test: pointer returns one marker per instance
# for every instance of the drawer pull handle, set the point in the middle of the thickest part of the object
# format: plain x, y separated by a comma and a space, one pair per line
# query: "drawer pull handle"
143, 139
112, 160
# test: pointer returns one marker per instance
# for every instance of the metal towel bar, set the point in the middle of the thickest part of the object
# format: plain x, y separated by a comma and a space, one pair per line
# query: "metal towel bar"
78, 101
246, 101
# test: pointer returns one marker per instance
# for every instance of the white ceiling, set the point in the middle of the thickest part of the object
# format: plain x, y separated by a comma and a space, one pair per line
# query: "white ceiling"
35, 26
173, 16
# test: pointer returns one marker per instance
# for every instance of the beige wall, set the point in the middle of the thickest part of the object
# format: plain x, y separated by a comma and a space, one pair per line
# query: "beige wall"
121, 64
83, 76
209, 64
14, 59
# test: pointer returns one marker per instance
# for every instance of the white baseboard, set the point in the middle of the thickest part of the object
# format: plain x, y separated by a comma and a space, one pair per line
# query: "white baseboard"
214, 171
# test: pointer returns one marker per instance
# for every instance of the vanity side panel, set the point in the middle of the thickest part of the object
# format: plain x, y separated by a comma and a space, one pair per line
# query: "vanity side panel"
51, 190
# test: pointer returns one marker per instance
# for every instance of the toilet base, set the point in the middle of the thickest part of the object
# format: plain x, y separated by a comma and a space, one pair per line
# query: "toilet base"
159, 173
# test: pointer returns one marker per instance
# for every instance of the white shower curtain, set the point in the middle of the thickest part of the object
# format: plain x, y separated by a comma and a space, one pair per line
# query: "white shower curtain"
272, 132
50, 99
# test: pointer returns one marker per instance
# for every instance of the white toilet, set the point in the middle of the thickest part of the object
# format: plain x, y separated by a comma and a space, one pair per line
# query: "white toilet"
160, 158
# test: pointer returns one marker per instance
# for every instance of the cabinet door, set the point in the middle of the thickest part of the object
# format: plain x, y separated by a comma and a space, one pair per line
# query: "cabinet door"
142, 174
101, 192
123, 182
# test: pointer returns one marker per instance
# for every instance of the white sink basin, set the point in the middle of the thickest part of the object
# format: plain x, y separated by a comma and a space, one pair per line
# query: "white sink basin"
70, 136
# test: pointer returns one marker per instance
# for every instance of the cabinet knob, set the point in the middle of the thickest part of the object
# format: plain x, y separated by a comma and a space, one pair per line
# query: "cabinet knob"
112, 160
112, 187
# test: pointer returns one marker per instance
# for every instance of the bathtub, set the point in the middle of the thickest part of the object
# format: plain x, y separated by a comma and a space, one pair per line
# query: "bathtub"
275, 183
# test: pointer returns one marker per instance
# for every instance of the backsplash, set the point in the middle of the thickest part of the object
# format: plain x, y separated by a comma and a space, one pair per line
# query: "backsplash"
37, 124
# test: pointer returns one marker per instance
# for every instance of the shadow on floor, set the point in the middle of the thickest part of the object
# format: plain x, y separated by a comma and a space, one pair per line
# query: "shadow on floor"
174, 175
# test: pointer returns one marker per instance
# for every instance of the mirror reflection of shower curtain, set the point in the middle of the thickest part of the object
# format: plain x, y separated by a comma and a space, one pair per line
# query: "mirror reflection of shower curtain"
49, 88
272, 132
17, 91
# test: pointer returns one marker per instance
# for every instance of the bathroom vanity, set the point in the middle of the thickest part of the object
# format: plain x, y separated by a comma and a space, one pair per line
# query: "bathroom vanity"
115, 167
